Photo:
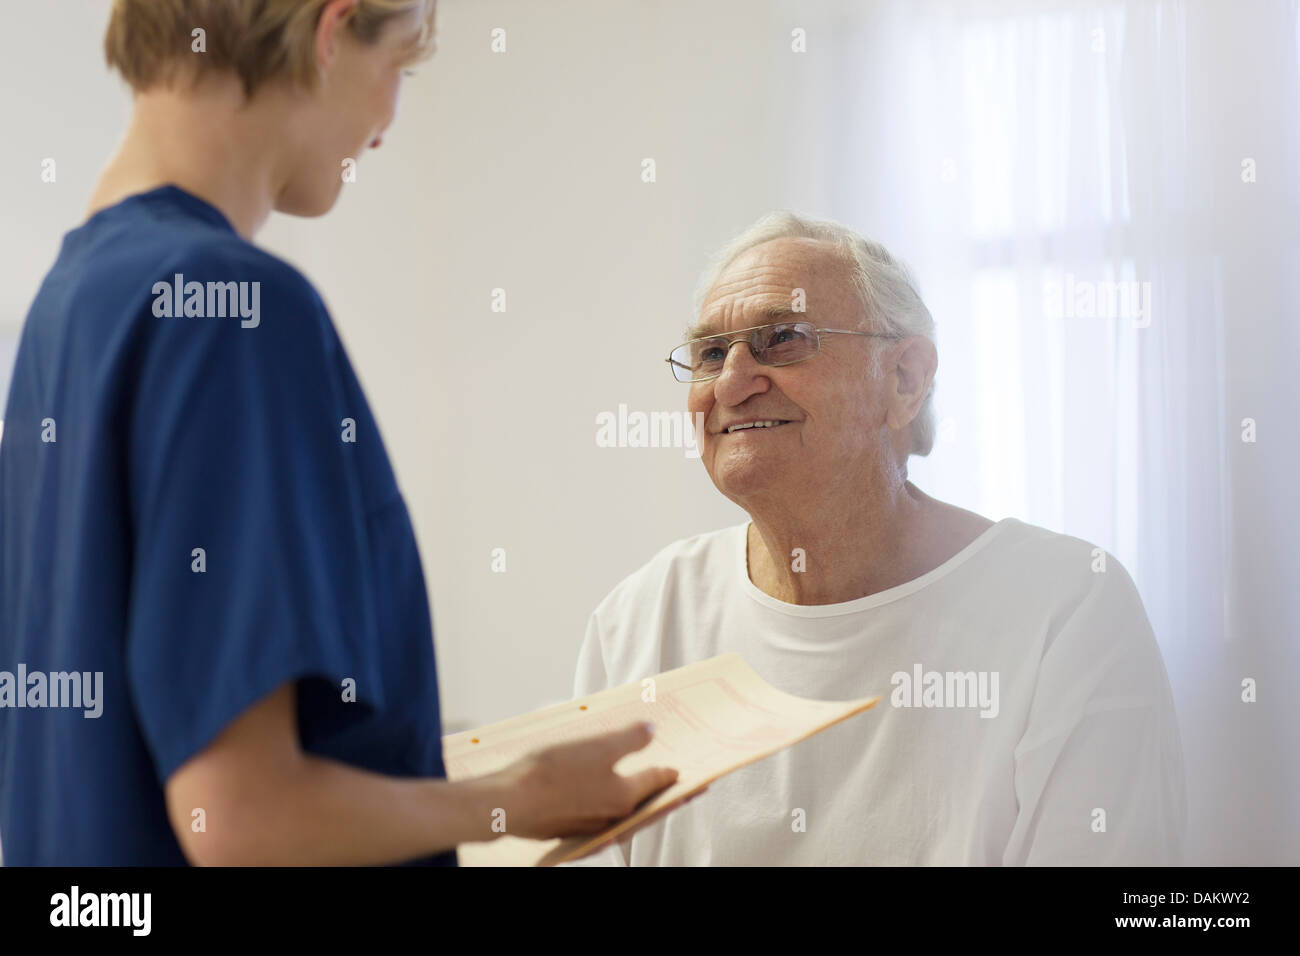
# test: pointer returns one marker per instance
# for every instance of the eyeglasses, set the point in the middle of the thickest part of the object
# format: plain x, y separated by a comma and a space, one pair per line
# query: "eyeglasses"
784, 343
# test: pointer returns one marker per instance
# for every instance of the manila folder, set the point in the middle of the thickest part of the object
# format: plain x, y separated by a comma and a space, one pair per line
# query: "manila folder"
710, 718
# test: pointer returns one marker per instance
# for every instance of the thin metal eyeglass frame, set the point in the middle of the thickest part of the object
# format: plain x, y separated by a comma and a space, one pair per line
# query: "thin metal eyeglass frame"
740, 335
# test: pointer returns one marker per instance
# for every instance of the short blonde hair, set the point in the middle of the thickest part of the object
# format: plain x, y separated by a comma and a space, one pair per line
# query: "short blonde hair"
149, 41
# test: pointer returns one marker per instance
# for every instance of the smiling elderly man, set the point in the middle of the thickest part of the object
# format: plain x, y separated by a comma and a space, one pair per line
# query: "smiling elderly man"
1026, 714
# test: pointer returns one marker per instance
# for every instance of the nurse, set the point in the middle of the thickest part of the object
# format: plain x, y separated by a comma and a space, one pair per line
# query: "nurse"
199, 508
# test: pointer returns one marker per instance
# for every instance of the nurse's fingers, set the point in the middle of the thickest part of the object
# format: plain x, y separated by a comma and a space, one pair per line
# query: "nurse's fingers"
654, 818
645, 783
619, 743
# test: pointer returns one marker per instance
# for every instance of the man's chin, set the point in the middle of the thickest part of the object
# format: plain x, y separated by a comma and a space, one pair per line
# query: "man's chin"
741, 480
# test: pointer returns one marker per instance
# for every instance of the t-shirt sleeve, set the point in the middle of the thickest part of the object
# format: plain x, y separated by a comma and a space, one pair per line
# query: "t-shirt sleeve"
1099, 770
590, 678
248, 563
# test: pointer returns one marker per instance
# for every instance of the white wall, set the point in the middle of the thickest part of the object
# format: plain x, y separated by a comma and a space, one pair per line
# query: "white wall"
522, 171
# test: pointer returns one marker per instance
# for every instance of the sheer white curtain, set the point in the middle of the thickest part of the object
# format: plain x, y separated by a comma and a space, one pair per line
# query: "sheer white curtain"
1100, 201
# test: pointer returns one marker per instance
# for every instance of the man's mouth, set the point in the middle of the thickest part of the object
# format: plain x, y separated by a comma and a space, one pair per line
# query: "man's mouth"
746, 426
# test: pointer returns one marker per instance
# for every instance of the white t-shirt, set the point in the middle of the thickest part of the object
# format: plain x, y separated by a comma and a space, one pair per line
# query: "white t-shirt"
1065, 750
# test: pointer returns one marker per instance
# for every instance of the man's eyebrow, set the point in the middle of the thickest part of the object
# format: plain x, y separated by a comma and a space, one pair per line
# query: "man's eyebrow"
776, 310
772, 312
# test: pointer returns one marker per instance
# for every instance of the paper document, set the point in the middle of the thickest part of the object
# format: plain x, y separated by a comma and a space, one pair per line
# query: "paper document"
710, 718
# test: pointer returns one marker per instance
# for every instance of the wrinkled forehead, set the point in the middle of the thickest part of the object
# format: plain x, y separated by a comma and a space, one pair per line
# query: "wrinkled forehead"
775, 280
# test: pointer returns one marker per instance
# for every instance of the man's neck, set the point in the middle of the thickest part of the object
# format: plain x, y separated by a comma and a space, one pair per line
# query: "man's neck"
832, 552
207, 142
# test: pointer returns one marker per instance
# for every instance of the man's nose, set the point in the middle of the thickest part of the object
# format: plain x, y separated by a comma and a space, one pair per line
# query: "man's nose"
741, 375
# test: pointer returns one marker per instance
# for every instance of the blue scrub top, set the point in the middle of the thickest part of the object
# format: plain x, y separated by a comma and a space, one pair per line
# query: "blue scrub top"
177, 389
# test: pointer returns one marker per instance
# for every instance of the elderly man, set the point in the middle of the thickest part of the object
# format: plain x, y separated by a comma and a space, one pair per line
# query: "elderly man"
1026, 714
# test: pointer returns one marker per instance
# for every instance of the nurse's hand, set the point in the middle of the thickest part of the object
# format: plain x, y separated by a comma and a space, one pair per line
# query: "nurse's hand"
624, 839
571, 789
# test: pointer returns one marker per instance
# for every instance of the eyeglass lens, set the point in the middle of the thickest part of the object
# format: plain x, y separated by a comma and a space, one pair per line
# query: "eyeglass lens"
780, 344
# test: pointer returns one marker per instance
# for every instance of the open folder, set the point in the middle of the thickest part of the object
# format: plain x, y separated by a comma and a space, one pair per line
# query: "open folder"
710, 718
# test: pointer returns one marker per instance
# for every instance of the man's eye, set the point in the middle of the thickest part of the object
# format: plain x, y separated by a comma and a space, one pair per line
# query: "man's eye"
784, 335
713, 353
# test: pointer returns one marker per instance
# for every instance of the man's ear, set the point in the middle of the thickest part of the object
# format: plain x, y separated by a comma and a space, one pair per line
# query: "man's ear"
915, 362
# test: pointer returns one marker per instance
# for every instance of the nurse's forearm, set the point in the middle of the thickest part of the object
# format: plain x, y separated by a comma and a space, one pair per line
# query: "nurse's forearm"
266, 801
263, 800
322, 812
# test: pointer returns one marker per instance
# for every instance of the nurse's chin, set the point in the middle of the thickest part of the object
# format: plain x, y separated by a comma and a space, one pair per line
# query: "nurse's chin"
309, 201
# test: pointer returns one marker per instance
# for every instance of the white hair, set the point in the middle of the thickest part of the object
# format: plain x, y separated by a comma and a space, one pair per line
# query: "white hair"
890, 300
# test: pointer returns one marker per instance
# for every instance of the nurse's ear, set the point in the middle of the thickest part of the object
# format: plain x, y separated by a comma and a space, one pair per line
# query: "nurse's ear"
333, 20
